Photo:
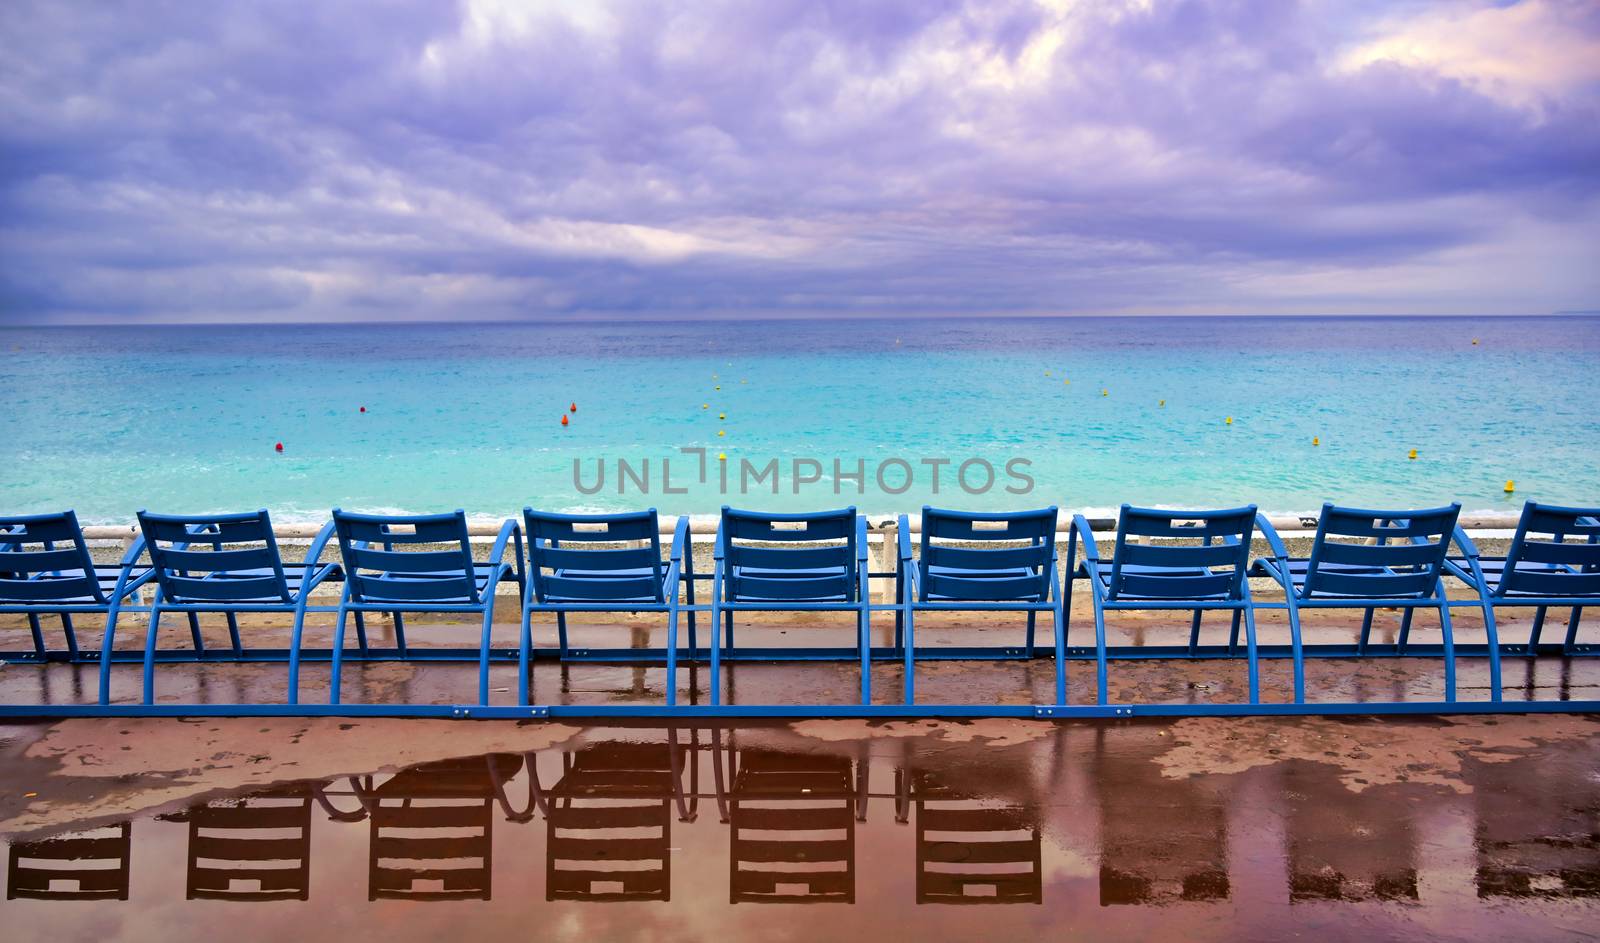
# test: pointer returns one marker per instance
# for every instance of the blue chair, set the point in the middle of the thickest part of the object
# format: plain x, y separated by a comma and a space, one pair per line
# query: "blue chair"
211, 563
568, 573
827, 574
1365, 559
1015, 573
1204, 576
388, 569
46, 569
1541, 568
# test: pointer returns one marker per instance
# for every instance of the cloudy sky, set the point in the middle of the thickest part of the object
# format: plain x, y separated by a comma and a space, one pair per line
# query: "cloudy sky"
497, 159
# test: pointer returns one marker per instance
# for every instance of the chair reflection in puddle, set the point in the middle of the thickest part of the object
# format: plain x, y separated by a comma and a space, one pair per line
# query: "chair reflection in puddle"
86, 865
609, 819
1347, 846
1537, 835
431, 826
1162, 840
792, 820
969, 849
253, 848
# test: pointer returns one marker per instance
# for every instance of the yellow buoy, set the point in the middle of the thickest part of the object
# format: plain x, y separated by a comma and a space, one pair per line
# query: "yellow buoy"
722, 456
1413, 454
1066, 382
717, 387
1510, 486
722, 432
722, 415
1474, 342
1047, 373
1161, 402
705, 405
1228, 421
1105, 392
1315, 441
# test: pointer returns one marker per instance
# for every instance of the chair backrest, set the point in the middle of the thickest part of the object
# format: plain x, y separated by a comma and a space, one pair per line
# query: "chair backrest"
1209, 563
43, 559
1403, 558
212, 558
1015, 566
824, 568
1555, 566
566, 546
386, 557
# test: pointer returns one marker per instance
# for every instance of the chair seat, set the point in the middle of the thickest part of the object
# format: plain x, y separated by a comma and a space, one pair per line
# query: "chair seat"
964, 573
1140, 569
809, 573
1494, 568
294, 578
106, 575
607, 576
481, 574
1297, 576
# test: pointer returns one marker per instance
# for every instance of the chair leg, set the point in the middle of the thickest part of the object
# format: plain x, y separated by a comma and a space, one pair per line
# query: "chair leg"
1194, 631
1366, 632
1060, 615
864, 641
1405, 628
1233, 633
1449, 646
361, 632
483, 648
38, 633
1252, 660
194, 632
1492, 636
1032, 620
672, 659
1572, 629
899, 613
71, 634
106, 645
400, 635
1538, 626
727, 619
335, 676
150, 653
1299, 653
1100, 653
716, 651
561, 634
524, 657
909, 618
294, 649
233, 635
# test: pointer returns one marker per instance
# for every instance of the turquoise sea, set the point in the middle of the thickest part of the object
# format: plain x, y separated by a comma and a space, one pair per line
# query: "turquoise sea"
109, 420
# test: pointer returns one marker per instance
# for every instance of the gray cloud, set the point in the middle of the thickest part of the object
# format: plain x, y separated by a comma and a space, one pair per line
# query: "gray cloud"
496, 159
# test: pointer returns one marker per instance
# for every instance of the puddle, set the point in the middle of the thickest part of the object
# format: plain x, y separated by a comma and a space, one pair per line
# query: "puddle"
1217, 829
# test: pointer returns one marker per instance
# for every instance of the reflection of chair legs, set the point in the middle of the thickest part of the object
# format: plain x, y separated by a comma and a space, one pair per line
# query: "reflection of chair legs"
969, 853
257, 848
608, 794
792, 820
90, 865
1536, 834
432, 834
1346, 845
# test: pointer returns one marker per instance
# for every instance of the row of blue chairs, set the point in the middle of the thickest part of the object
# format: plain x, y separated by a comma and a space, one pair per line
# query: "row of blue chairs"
1196, 561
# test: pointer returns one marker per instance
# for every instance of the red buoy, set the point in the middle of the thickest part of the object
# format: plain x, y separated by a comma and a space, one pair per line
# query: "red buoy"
279, 447
563, 420
574, 407
363, 409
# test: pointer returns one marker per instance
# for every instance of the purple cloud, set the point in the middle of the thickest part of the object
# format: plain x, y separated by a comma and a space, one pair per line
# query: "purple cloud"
493, 159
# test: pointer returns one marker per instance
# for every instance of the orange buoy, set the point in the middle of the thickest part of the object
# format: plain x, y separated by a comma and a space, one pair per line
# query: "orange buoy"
563, 420
278, 447
574, 407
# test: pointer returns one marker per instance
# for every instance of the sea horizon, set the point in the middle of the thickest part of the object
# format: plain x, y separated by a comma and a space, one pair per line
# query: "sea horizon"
1098, 411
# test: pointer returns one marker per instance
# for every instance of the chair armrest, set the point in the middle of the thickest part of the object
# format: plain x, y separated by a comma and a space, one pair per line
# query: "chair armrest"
1464, 543
717, 551
1080, 525
1274, 542
508, 529
314, 553
903, 535
680, 539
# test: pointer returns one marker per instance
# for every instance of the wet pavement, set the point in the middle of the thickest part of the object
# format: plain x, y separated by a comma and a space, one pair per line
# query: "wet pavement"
1259, 828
